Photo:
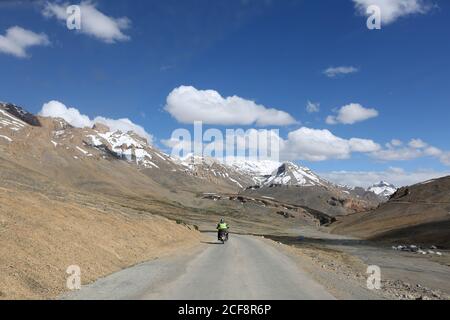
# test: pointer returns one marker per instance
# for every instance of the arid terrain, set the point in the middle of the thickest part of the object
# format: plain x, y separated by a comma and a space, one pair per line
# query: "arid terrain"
106, 201
418, 214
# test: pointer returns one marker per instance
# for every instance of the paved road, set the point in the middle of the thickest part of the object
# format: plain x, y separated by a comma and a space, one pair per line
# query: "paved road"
244, 268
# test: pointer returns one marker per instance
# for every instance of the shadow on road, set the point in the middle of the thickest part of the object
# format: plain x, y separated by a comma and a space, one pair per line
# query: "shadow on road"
211, 242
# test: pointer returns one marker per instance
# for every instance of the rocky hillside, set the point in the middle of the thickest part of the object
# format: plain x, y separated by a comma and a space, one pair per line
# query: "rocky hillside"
123, 166
100, 199
45, 143
417, 214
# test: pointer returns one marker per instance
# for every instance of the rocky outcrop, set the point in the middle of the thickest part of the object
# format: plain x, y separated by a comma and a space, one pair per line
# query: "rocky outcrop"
21, 114
100, 127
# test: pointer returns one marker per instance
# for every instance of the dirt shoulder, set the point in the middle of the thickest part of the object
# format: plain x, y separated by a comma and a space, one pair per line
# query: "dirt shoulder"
343, 270
41, 237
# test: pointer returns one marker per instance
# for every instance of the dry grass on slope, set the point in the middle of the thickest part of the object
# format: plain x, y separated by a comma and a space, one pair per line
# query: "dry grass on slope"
41, 237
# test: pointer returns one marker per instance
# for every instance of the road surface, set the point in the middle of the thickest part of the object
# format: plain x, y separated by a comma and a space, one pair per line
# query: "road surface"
244, 268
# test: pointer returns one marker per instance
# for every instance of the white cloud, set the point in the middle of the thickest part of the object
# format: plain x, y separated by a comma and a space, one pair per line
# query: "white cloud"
93, 22
187, 104
433, 151
333, 72
416, 148
417, 144
351, 114
396, 176
56, 109
250, 144
312, 107
391, 10
445, 158
363, 145
302, 144
394, 143
319, 145
17, 40
397, 154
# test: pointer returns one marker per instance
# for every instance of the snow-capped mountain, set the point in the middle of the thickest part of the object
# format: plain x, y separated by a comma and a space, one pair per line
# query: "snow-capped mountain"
128, 146
257, 170
10, 112
383, 189
289, 173
254, 167
19, 127
214, 170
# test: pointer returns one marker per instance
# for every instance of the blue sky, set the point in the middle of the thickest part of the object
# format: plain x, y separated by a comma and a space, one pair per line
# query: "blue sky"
271, 52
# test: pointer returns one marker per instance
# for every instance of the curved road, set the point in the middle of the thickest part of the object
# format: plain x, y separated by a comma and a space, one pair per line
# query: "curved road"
244, 268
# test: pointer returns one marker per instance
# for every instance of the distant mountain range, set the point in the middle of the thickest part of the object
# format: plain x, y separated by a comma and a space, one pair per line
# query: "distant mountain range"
67, 149
38, 153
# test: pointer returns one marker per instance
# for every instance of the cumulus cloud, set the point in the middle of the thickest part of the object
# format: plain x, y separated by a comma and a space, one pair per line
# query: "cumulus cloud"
415, 148
17, 40
396, 176
93, 22
363, 145
253, 144
56, 109
312, 107
351, 114
319, 145
187, 104
333, 72
391, 10
302, 144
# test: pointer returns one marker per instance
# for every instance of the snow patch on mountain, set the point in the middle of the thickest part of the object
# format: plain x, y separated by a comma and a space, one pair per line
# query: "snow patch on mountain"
124, 145
254, 167
383, 189
6, 138
9, 121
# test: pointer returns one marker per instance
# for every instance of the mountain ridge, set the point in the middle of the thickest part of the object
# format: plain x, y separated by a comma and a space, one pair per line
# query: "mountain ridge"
65, 142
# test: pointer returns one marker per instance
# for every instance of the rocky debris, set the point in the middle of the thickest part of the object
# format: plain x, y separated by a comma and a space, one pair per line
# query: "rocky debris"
398, 289
417, 249
348, 268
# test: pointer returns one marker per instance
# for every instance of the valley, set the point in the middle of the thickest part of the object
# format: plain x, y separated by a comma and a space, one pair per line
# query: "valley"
108, 200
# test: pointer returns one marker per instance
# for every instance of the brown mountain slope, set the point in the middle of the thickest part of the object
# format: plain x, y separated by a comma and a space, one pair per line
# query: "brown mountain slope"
45, 227
418, 214
330, 200
100, 200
